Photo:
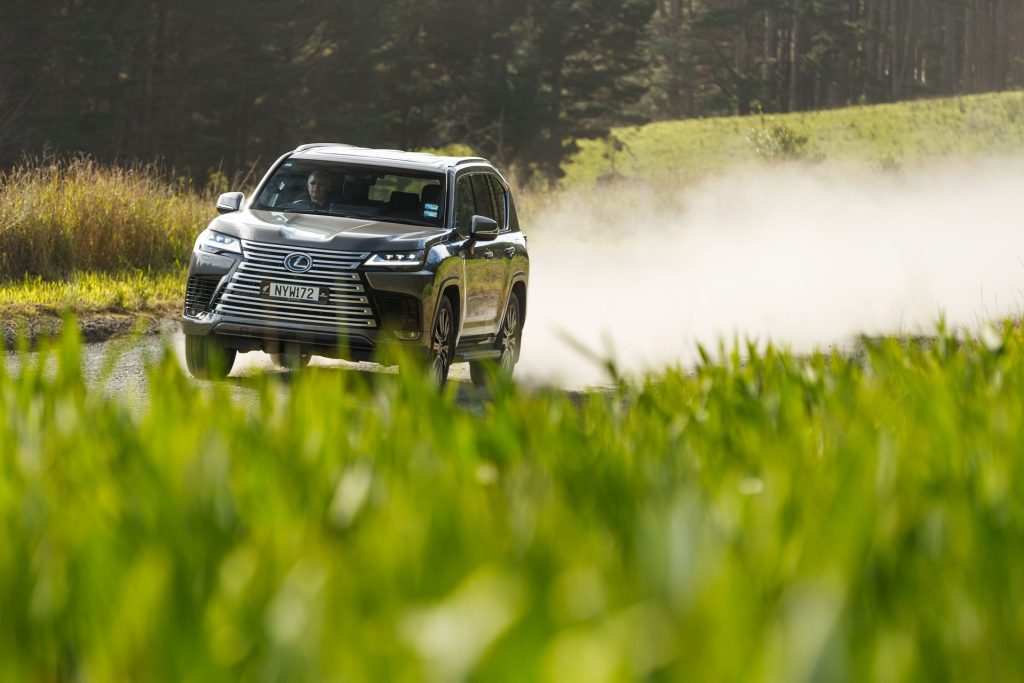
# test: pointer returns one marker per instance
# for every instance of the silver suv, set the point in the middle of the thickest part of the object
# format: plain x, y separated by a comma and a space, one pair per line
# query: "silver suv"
348, 252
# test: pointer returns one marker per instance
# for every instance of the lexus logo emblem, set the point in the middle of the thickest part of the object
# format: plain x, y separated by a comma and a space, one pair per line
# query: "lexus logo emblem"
298, 263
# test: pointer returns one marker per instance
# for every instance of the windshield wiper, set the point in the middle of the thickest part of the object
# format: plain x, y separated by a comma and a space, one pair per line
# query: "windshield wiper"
281, 209
406, 221
357, 216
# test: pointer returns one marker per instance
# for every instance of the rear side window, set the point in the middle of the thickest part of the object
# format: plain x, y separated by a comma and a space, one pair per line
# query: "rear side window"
498, 195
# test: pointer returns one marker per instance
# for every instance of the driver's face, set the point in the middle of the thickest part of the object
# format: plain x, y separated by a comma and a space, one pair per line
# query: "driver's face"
317, 187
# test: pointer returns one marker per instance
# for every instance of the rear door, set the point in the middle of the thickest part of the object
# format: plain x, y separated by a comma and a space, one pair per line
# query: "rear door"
504, 247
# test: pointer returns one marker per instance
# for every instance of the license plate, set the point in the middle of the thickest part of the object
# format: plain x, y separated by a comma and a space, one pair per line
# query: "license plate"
280, 290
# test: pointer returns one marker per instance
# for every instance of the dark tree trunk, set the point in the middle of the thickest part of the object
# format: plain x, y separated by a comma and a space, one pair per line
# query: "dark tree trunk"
769, 62
798, 48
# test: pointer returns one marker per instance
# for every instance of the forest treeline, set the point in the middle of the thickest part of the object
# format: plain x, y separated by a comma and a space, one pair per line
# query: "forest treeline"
206, 86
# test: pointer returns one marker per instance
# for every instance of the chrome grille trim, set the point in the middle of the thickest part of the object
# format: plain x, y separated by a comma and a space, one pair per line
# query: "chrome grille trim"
349, 305
310, 306
247, 273
249, 316
318, 263
285, 249
311, 320
239, 288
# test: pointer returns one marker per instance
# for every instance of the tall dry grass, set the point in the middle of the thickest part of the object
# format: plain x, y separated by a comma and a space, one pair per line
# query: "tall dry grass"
57, 217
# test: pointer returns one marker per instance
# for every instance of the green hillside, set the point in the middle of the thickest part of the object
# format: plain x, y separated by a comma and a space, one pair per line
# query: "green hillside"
881, 135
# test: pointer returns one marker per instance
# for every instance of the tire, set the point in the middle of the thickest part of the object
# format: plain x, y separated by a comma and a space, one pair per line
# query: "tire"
442, 344
290, 359
207, 358
509, 341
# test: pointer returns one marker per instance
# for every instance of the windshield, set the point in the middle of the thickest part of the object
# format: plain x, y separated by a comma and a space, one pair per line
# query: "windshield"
333, 189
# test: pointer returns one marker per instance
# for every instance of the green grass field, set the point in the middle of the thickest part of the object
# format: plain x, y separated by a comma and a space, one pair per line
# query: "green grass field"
883, 136
782, 519
96, 292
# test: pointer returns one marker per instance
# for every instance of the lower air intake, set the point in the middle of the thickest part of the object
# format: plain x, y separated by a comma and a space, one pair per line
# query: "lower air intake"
199, 292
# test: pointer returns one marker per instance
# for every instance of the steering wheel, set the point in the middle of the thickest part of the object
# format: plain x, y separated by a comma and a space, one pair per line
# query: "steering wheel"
301, 204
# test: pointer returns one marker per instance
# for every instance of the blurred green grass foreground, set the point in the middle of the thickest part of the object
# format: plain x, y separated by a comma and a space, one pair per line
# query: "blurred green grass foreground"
777, 519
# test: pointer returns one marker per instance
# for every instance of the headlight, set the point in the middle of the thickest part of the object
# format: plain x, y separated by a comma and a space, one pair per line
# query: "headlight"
398, 259
215, 242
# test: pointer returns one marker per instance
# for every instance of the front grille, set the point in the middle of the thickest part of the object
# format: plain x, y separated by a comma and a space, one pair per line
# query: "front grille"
198, 292
348, 304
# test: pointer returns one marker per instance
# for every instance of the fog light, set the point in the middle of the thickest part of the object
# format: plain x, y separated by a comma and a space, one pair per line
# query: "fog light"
407, 336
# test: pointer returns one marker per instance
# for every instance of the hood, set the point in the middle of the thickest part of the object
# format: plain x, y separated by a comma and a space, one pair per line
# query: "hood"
326, 232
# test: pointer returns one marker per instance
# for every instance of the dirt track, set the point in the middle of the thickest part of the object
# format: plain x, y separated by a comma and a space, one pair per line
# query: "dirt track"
117, 366
35, 326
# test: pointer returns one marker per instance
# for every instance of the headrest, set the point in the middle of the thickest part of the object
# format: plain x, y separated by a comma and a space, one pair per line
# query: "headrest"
292, 183
404, 200
430, 194
356, 191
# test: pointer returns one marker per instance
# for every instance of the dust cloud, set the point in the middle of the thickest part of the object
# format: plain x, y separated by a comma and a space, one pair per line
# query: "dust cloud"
803, 256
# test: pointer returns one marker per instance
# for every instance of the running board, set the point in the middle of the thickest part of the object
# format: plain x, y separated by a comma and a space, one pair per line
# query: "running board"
475, 354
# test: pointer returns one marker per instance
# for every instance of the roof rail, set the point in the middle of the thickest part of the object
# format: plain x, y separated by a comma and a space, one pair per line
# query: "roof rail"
471, 160
311, 145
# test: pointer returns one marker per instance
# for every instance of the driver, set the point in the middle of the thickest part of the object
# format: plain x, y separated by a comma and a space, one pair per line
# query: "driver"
319, 187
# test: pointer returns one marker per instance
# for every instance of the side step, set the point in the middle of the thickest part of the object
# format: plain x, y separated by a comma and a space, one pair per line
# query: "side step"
475, 354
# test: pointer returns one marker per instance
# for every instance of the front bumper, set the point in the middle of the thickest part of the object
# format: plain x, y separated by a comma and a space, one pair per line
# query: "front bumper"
366, 309
253, 335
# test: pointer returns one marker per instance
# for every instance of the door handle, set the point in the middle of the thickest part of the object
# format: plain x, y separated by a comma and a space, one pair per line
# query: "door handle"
510, 251
488, 254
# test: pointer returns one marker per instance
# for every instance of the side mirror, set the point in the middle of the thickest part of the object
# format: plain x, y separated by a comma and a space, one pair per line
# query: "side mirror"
229, 202
482, 229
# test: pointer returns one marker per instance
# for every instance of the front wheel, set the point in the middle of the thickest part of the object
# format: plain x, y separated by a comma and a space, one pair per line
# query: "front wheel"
509, 341
442, 343
291, 359
207, 358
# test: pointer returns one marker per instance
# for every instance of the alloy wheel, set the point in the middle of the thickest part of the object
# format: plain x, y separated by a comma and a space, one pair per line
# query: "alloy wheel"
440, 344
510, 337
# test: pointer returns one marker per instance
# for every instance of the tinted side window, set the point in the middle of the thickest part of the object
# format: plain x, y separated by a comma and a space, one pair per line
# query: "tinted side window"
498, 194
513, 215
465, 205
484, 202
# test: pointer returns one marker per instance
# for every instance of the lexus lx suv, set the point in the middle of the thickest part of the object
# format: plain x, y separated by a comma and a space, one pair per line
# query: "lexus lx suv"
348, 252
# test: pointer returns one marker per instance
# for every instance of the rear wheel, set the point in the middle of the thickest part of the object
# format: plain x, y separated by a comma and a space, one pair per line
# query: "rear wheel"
509, 339
207, 358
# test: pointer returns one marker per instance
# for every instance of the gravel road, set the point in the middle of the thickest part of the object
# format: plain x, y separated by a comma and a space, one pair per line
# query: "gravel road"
118, 367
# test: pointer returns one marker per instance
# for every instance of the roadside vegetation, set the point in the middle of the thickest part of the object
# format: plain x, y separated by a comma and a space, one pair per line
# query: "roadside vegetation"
96, 292
61, 217
881, 136
87, 238
781, 518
